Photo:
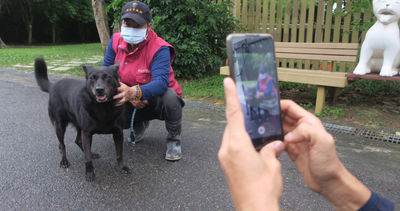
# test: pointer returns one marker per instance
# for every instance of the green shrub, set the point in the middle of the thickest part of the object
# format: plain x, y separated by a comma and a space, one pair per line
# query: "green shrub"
196, 28
372, 88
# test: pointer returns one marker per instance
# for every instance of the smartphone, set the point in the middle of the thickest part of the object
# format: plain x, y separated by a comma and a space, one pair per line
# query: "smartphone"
251, 59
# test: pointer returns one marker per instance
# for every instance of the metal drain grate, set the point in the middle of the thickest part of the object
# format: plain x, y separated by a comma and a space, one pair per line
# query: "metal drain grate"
377, 136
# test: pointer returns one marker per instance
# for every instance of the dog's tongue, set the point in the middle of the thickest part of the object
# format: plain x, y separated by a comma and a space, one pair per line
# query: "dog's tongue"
101, 97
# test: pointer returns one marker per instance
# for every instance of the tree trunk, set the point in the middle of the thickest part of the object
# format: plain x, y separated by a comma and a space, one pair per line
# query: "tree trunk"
2, 44
100, 17
30, 34
53, 32
116, 28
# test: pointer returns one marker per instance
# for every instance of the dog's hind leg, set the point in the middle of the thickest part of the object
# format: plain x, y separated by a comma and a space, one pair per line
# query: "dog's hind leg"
118, 141
78, 141
60, 127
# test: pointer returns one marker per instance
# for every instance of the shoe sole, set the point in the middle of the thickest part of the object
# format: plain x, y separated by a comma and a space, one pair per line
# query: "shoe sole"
173, 158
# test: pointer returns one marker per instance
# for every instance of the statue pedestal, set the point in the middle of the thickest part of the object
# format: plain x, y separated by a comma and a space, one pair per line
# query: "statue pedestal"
373, 76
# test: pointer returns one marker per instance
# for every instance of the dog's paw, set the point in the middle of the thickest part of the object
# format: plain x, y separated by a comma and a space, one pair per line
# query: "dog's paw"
387, 71
125, 170
64, 163
361, 70
90, 176
95, 156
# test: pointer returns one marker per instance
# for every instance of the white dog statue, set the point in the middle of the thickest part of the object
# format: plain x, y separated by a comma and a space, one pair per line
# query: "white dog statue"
380, 51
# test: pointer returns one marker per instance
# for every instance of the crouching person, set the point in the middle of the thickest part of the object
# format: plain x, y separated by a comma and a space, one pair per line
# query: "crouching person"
147, 79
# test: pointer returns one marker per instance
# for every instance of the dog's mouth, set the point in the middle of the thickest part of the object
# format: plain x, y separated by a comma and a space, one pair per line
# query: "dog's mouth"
386, 12
101, 98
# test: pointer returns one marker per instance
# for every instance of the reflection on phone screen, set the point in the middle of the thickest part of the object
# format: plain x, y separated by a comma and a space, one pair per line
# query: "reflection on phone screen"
256, 80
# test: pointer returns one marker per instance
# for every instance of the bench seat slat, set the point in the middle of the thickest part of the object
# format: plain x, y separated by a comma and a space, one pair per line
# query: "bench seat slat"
313, 77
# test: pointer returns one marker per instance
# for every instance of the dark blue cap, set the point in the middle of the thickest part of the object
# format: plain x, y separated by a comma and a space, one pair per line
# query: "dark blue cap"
137, 11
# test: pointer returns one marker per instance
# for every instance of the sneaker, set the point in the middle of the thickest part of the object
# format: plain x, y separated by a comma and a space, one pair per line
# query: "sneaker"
140, 128
174, 151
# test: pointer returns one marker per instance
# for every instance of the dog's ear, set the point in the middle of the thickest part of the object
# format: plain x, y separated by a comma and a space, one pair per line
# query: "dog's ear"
116, 67
86, 69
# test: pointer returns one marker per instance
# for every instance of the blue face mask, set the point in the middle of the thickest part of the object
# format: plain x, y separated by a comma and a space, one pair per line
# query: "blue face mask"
133, 35
263, 76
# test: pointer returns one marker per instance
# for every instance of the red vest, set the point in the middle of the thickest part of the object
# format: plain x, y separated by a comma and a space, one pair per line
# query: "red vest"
135, 66
263, 84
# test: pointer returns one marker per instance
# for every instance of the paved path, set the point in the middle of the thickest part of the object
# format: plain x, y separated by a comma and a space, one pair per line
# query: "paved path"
30, 178
63, 65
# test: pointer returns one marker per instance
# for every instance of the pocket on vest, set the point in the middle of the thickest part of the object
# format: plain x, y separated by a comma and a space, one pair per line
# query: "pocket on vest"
143, 78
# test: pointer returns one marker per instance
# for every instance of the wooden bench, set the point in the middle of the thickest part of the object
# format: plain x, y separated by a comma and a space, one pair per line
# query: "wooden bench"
309, 63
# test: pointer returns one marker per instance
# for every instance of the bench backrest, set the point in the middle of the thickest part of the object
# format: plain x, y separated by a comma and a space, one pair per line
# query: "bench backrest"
312, 55
343, 52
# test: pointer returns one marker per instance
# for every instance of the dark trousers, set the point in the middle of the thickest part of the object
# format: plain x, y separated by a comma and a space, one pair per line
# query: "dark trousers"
167, 107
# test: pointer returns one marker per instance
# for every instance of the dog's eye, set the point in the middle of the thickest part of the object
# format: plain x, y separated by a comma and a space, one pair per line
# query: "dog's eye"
93, 77
106, 77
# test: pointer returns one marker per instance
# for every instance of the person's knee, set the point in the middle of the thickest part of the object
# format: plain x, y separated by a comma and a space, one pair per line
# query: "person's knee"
171, 99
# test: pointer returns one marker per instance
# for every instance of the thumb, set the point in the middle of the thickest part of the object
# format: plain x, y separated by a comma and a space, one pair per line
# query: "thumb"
272, 150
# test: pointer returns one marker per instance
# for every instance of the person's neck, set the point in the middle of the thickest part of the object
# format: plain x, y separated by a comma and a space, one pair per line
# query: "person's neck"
132, 47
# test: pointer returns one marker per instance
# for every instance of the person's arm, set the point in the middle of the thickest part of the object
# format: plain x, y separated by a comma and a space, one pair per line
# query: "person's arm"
254, 178
160, 69
109, 57
312, 149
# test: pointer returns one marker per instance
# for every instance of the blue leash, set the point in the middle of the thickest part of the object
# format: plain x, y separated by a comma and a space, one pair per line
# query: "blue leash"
133, 140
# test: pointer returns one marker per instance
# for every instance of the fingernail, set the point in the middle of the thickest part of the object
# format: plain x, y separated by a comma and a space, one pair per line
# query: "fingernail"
225, 81
279, 146
288, 136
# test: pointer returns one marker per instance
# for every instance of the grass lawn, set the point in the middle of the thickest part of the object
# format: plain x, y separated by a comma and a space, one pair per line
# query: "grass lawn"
26, 55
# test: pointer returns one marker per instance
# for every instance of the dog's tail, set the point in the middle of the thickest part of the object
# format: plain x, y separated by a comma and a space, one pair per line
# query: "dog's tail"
41, 74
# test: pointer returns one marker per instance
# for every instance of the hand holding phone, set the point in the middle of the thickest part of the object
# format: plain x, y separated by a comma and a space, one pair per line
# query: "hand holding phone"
252, 65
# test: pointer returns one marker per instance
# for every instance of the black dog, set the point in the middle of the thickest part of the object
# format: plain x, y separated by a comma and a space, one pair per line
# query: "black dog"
89, 106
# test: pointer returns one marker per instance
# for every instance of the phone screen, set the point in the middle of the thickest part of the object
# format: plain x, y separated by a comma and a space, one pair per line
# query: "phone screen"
252, 66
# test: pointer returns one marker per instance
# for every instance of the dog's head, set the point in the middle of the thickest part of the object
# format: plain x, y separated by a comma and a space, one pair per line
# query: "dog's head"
102, 82
387, 11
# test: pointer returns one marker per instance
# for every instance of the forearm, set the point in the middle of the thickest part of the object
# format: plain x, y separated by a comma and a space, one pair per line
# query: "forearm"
346, 192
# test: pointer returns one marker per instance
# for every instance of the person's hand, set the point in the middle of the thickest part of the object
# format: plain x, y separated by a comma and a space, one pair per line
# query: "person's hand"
139, 104
312, 149
125, 93
254, 178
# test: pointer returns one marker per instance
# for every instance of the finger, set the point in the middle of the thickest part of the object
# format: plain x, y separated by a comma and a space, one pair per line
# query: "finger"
224, 144
272, 150
301, 133
292, 110
120, 95
234, 113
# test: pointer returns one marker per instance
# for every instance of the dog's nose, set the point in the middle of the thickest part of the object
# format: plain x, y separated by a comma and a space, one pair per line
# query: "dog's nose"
99, 90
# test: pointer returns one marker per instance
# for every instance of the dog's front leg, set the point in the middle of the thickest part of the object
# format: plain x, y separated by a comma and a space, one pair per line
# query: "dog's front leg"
87, 146
366, 53
118, 141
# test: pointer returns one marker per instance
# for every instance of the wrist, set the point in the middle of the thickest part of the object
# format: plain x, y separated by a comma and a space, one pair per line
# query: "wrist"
256, 196
137, 93
346, 192
258, 204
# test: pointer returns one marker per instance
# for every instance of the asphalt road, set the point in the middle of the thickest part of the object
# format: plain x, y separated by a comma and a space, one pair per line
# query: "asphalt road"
31, 179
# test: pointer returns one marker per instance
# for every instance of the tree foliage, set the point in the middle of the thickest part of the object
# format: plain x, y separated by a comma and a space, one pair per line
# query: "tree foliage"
196, 28
357, 6
33, 14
